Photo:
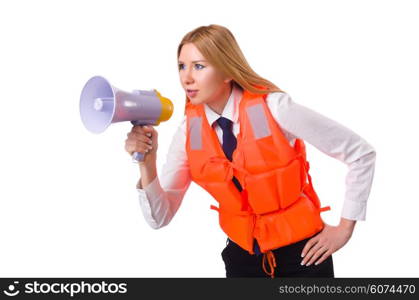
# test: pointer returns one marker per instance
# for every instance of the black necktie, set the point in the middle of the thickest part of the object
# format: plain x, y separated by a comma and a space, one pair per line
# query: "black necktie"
229, 144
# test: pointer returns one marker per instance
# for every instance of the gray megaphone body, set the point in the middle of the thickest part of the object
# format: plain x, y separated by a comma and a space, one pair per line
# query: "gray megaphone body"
102, 104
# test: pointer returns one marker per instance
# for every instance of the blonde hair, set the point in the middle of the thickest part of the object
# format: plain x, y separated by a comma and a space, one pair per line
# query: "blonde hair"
218, 45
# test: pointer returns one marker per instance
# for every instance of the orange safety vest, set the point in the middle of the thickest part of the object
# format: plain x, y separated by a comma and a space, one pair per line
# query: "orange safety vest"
277, 205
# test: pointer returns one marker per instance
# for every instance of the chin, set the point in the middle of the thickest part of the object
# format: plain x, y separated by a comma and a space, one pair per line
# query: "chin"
196, 101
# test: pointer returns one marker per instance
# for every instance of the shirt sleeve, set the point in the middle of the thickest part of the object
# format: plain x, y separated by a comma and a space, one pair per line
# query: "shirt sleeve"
334, 140
162, 197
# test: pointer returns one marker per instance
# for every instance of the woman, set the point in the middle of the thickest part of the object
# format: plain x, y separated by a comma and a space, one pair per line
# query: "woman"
242, 141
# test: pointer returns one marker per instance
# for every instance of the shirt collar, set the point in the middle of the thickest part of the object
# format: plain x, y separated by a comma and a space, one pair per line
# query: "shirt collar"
231, 109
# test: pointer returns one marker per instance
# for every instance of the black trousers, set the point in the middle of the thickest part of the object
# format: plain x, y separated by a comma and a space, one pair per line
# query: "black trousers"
239, 263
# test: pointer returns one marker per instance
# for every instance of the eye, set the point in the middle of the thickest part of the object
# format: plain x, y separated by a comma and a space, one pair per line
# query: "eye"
197, 66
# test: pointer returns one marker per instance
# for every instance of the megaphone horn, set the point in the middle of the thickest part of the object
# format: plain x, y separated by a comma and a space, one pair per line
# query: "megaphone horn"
102, 104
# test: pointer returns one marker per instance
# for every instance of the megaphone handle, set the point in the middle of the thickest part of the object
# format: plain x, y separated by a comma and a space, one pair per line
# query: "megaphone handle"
137, 156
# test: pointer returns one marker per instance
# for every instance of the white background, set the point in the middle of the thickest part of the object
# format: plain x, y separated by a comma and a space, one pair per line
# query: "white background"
68, 203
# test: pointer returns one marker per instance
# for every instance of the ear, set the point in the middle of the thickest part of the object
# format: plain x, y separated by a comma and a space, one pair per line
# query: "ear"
227, 80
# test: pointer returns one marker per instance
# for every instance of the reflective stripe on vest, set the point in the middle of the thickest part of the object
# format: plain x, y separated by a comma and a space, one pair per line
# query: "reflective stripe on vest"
195, 128
258, 121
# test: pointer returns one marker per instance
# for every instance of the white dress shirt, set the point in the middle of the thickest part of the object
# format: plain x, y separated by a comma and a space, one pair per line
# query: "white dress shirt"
161, 198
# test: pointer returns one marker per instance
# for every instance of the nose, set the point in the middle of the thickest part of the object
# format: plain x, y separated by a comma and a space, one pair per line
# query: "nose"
187, 77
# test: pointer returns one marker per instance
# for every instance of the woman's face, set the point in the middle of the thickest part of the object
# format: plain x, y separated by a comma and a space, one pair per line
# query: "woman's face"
198, 75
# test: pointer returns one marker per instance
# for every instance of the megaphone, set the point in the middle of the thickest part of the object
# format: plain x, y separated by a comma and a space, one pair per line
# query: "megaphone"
102, 104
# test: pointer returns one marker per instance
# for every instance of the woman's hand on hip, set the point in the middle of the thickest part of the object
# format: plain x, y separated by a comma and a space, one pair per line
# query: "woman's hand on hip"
328, 241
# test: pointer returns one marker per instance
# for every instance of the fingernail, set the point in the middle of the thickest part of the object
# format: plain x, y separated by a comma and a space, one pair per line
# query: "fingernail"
316, 263
149, 134
302, 255
302, 263
150, 147
308, 264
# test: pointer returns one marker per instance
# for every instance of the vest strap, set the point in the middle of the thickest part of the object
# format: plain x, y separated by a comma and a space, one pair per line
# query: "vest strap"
325, 208
214, 208
308, 189
236, 213
270, 257
229, 165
